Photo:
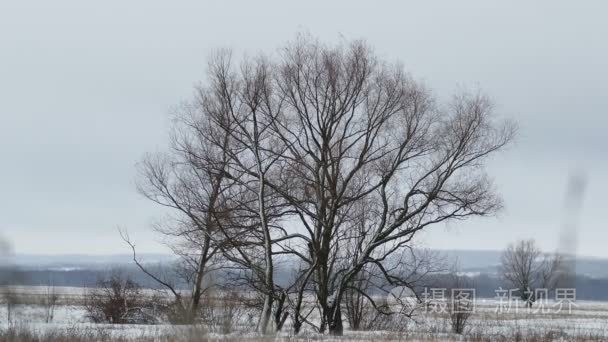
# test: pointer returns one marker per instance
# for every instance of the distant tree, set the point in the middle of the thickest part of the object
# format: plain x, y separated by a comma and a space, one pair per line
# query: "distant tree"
526, 268
50, 301
10, 299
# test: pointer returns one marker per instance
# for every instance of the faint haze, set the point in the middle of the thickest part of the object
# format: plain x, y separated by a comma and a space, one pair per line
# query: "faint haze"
86, 89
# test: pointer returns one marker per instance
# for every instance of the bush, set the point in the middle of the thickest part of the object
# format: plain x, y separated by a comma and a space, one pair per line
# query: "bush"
223, 312
119, 300
460, 307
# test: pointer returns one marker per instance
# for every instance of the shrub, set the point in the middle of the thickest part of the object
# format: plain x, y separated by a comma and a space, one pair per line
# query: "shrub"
119, 300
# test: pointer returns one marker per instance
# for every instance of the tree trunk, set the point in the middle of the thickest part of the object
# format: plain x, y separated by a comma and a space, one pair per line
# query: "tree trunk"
335, 322
269, 269
197, 292
297, 324
266, 313
280, 315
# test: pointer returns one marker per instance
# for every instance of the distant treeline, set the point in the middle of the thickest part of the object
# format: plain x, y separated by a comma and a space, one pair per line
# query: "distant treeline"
485, 286
587, 288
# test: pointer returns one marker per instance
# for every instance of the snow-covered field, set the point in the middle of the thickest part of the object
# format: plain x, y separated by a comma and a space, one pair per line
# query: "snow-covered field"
587, 320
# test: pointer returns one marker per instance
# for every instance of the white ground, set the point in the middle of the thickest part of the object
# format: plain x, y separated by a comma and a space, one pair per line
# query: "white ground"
586, 317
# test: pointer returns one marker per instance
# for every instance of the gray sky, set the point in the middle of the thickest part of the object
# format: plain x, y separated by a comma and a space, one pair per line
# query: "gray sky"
86, 88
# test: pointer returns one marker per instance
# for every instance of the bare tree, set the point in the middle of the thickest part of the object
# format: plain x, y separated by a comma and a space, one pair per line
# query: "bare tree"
10, 299
460, 305
526, 268
349, 149
49, 301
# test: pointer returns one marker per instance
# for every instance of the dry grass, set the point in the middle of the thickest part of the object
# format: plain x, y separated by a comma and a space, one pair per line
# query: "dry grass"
226, 319
197, 333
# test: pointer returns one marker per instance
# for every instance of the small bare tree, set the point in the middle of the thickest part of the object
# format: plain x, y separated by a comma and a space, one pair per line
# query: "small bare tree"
460, 305
10, 299
526, 268
49, 301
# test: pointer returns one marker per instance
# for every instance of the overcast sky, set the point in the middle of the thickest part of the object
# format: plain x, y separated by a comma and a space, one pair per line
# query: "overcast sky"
86, 88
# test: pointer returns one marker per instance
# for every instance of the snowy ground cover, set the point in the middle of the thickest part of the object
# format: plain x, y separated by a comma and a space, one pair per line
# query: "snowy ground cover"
587, 320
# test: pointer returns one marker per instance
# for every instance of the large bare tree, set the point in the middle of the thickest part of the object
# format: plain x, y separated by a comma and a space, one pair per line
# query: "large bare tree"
333, 157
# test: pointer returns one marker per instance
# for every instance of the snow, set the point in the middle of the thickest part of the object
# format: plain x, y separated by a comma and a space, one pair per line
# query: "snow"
586, 318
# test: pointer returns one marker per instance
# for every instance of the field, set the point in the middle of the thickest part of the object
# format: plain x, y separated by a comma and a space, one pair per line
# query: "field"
26, 317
